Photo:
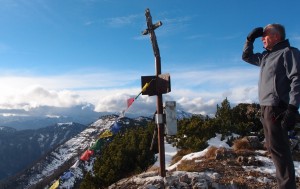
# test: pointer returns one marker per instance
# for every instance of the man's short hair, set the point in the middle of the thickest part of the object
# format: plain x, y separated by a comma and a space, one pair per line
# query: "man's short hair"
277, 28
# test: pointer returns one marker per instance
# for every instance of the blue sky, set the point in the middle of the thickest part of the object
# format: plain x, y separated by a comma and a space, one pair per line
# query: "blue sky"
71, 52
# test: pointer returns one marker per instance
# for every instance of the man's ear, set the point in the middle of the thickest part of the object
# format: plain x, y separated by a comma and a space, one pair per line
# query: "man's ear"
277, 37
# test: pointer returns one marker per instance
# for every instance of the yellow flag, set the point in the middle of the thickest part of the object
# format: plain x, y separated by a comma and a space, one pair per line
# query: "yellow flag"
55, 185
105, 134
145, 87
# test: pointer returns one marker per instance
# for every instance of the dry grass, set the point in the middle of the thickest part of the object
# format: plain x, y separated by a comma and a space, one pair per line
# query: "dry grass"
153, 168
225, 162
179, 155
211, 152
230, 170
186, 166
241, 144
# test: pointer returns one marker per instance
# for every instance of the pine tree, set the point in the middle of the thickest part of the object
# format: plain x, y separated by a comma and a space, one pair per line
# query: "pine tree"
127, 154
224, 117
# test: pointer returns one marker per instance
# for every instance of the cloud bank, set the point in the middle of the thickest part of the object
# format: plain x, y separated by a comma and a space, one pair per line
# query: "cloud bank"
194, 91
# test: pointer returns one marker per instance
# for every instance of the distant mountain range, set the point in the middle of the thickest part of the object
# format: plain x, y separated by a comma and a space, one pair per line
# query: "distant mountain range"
19, 149
45, 115
60, 159
47, 153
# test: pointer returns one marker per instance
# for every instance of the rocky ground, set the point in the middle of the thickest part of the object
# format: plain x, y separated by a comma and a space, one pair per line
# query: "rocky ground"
219, 168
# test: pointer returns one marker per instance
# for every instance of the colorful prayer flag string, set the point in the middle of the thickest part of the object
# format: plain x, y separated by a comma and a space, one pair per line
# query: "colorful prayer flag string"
131, 100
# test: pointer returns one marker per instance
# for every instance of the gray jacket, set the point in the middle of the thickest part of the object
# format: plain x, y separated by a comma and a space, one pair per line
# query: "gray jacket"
279, 74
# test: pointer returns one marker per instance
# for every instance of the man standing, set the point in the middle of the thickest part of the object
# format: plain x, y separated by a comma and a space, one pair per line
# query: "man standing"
279, 95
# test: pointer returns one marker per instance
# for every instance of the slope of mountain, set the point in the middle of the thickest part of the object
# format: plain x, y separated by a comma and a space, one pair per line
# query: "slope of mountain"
56, 162
182, 114
19, 149
60, 159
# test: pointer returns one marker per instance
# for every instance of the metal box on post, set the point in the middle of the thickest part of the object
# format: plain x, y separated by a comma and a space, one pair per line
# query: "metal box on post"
157, 85
171, 118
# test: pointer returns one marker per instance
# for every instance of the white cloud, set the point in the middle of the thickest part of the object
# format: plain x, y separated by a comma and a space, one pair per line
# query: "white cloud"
111, 102
194, 91
173, 25
214, 78
205, 102
198, 105
16, 80
27, 91
116, 100
245, 94
35, 96
121, 21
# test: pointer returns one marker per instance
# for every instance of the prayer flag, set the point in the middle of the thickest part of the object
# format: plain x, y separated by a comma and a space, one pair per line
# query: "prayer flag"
55, 185
129, 102
106, 134
86, 155
67, 175
115, 128
145, 87
75, 165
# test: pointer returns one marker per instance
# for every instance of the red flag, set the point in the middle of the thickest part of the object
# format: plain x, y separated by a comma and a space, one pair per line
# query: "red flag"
86, 155
129, 102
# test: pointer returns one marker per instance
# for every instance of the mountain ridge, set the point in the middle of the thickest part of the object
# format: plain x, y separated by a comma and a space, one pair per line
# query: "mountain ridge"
18, 149
70, 151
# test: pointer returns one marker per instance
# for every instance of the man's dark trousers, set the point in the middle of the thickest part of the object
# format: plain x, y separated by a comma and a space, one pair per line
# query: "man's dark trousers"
277, 143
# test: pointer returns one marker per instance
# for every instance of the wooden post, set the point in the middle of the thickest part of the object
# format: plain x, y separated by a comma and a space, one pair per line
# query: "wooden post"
159, 102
